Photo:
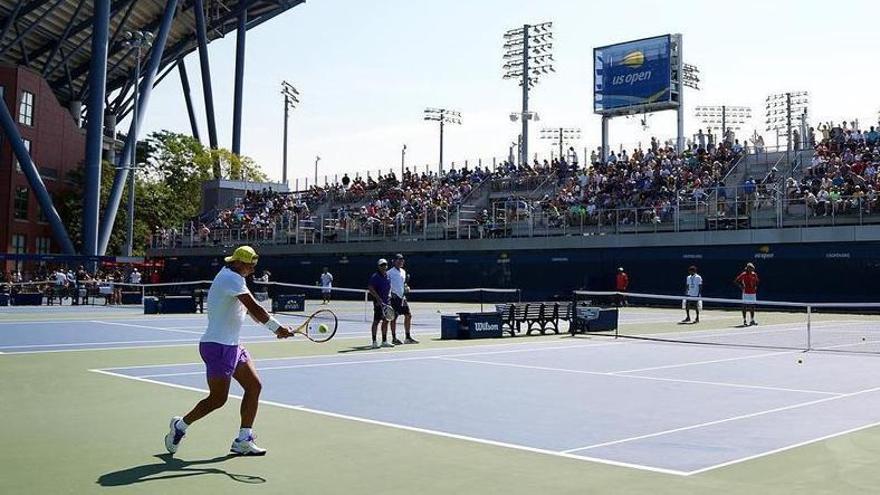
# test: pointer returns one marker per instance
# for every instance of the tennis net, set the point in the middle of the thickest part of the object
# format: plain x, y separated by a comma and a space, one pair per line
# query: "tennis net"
841, 327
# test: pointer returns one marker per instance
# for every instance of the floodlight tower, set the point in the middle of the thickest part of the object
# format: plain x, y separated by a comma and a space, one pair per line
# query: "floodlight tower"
781, 109
690, 78
291, 99
444, 116
561, 136
140, 42
527, 55
723, 117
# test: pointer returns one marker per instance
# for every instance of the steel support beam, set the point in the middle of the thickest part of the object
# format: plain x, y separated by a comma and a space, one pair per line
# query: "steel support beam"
28, 29
187, 96
33, 177
7, 23
95, 129
63, 37
240, 45
131, 140
202, 37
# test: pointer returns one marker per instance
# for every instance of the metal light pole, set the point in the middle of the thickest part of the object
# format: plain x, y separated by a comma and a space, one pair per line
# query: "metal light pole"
402, 160
444, 116
561, 136
781, 108
139, 41
723, 117
290, 100
317, 159
526, 56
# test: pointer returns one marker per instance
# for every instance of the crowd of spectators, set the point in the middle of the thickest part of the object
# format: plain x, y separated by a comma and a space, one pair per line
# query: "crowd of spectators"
643, 186
842, 177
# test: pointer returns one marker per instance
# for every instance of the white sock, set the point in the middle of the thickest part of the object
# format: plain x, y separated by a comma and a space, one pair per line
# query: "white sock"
181, 425
244, 434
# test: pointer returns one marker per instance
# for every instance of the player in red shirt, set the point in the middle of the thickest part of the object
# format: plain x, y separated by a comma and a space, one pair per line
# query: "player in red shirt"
748, 281
621, 285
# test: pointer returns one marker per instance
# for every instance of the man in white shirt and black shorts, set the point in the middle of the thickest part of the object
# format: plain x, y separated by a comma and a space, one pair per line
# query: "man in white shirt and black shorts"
326, 285
229, 301
399, 290
693, 289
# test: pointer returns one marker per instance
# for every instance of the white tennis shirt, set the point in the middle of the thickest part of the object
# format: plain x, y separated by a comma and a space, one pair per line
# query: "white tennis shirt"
694, 282
326, 280
226, 313
397, 276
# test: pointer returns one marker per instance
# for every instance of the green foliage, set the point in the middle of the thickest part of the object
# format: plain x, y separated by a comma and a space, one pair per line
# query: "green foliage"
168, 188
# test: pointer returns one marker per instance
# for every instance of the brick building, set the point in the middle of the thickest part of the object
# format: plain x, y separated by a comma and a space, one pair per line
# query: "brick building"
57, 147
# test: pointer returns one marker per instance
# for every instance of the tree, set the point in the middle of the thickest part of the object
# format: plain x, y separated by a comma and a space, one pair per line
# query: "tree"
168, 188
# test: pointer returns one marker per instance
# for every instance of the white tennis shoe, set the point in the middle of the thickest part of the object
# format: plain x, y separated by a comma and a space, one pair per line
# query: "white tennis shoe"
246, 447
174, 436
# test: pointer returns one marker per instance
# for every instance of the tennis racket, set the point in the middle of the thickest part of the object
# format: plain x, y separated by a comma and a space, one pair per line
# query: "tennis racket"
319, 327
388, 312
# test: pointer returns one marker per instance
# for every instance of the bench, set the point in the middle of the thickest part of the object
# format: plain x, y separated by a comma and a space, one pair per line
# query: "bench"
537, 316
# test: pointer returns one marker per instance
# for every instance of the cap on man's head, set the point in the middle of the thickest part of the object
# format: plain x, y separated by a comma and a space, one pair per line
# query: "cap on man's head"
382, 261
620, 269
245, 254
398, 256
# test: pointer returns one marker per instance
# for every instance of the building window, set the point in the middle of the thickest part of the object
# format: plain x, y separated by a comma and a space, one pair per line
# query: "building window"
26, 109
19, 244
20, 206
27, 146
43, 245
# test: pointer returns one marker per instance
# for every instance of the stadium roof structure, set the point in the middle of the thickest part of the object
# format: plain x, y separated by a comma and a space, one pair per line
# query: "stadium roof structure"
81, 48
53, 37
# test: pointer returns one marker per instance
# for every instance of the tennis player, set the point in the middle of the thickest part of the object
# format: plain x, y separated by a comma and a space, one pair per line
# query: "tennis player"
399, 288
621, 284
326, 285
748, 281
693, 287
229, 301
380, 289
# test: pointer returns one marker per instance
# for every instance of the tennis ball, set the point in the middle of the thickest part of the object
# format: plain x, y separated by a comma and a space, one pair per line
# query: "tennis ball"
863, 339
322, 328
800, 361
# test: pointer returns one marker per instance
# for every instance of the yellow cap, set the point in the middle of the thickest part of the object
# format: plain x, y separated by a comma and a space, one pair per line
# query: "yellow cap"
245, 254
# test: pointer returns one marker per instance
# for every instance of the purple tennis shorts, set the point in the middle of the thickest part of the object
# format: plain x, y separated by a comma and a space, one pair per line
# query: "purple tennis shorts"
221, 360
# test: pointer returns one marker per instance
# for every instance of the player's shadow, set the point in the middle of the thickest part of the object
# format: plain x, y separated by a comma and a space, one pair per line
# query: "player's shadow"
171, 468
357, 348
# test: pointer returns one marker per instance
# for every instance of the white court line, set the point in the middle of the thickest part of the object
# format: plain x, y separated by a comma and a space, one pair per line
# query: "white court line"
146, 326
712, 361
783, 449
639, 377
256, 339
363, 361
396, 351
726, 420
416, 429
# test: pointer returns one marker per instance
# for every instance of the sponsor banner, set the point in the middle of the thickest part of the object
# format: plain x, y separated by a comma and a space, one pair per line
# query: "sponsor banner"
632, 74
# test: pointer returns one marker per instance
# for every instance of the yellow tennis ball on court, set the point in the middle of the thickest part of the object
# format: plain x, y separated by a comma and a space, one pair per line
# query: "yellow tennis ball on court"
800, 361
322, 328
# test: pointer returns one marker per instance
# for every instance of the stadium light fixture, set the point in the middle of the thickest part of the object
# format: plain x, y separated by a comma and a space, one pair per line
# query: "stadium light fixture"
291, 99
723, 117
782, 111
561, 136
527, 55
140, 42
443, 116
690, 76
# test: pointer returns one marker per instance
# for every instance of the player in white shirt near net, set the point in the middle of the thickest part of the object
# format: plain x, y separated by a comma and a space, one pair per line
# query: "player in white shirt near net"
399, 289
135, 276
326, 285
229, 302
693, 288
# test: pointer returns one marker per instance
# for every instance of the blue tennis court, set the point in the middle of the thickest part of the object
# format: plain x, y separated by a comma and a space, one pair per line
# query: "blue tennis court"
673, 408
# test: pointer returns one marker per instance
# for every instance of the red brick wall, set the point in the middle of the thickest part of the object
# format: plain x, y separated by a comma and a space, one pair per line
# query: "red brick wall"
56, 143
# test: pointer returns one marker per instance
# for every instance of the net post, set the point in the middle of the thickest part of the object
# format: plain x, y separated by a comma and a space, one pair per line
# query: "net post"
481, 300
809, 328
366, 303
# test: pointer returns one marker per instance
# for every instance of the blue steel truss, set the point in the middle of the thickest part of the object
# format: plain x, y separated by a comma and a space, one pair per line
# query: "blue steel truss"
76, 46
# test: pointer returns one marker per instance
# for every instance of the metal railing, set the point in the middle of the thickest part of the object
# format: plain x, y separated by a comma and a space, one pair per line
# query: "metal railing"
745, 209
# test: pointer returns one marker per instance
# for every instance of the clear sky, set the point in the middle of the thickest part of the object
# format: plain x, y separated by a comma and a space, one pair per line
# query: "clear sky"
366, 71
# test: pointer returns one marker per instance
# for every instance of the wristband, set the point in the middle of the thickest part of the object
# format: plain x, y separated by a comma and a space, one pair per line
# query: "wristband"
272, 324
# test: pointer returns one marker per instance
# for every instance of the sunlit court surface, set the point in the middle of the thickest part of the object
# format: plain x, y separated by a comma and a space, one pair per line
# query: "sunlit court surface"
92, 388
